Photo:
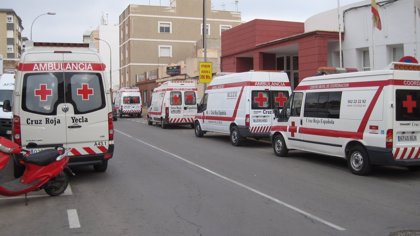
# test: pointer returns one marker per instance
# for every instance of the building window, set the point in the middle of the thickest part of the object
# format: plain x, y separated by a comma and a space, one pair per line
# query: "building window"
10, 49
9, 19
10, 34
224, 28
207, 29
364, 59
165, 51
126, 28
396, 52
126, 52
165, 27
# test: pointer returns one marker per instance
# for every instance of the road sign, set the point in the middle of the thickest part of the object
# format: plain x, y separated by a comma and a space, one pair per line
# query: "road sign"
409, 59
206, 72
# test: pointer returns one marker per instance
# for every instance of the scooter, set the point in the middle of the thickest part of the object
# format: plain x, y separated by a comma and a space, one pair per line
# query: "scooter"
43, 170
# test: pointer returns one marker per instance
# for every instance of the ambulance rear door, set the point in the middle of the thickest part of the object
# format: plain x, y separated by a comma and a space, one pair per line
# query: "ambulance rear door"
42, 114
407, 121
190, 105
87, 111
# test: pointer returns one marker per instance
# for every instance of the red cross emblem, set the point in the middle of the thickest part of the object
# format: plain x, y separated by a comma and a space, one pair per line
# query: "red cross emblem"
293, 129
409, 104
281, 99
189, 98
261, 99
85, 91
176, 99
43, 92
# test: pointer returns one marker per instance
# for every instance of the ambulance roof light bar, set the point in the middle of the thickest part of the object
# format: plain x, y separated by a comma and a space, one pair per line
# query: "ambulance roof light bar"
30, 44
327, 70
404, 66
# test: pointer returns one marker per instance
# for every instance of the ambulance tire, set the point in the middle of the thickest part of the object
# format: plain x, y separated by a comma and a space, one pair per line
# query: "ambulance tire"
279, 146
358, 161
101, 167
414, 168
149, 121
197, 130
235, 137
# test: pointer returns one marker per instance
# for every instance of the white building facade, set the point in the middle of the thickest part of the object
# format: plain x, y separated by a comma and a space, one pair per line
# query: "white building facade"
365, 47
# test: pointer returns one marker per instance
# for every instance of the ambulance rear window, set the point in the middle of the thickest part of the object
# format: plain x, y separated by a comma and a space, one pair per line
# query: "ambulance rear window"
131, 100
407, 104
261, 100
189, 97
42, 92
86, 91
176, 98
279, 98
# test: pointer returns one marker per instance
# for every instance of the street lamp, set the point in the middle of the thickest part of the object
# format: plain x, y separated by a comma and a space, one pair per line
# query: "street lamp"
44, 14
110, 64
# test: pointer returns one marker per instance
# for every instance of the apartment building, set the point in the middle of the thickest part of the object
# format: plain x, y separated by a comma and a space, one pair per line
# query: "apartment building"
153, 36
10, 37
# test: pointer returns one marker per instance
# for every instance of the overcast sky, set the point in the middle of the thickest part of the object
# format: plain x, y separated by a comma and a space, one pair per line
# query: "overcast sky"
74, 17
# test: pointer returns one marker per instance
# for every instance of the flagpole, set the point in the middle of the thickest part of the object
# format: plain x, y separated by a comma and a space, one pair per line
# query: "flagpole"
339, 35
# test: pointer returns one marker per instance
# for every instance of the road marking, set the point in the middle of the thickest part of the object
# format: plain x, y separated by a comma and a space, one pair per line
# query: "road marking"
74, 222
39, 194
273, 199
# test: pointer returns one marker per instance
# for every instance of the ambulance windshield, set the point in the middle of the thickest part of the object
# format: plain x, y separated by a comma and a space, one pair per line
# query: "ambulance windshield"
408, 105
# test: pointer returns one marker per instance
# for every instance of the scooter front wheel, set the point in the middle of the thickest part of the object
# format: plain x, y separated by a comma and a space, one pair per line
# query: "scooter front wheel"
57, 185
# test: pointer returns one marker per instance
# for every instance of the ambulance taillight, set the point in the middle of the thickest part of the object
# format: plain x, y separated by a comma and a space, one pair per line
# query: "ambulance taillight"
247, 120
110, 127
389, 138
17, 131
166, 112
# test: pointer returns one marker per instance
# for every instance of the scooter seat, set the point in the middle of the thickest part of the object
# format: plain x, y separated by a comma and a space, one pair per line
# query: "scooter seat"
42, 158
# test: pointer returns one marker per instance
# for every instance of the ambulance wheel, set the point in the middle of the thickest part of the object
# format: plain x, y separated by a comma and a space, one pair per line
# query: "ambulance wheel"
57, 185
235, 137
120, 114
101, 167
197, 130
414, 168
149, 121
358, 161
279, 146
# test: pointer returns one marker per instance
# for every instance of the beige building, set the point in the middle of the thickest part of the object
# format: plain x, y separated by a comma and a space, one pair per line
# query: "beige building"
153, 36
10, 38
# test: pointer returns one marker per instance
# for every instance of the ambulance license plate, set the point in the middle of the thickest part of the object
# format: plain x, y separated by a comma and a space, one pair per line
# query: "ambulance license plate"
407, 138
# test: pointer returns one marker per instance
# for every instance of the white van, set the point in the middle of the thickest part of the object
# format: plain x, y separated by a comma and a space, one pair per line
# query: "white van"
173, 103
63, 98
128, 102
369, 118
7, 86
241, 104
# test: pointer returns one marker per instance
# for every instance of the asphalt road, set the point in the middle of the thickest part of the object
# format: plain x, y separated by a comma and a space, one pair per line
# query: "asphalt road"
168, 182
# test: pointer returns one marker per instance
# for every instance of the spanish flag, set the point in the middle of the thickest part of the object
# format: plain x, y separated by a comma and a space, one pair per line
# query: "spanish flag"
375, 15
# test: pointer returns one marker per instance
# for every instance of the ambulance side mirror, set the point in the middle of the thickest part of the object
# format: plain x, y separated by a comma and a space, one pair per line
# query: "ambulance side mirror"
6, 106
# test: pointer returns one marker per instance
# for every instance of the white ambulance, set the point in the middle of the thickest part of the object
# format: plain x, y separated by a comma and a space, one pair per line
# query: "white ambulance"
173, 103
241, 104
63, 98
369, 118
128, 102
7, 86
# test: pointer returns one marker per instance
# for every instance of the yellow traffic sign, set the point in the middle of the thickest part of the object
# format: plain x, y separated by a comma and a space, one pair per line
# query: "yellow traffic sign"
206, 72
